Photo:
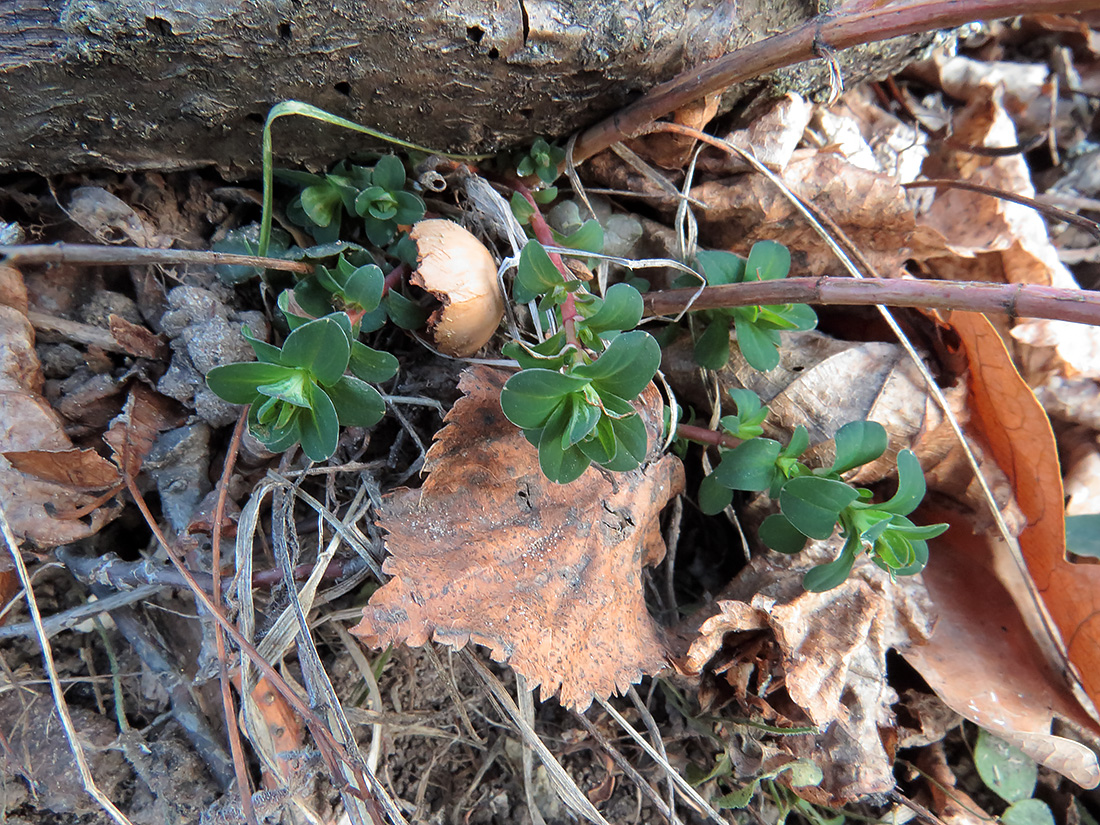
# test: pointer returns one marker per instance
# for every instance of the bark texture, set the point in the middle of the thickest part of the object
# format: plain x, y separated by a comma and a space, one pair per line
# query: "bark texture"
130, 84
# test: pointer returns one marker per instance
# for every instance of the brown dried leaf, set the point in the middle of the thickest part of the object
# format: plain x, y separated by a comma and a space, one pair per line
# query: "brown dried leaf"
137, 340
833, 648
547, 576
131, 434
19, 365
869, 206
79, 469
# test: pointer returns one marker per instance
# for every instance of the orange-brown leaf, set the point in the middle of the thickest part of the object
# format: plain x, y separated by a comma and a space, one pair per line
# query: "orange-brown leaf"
1019, 435
546, 576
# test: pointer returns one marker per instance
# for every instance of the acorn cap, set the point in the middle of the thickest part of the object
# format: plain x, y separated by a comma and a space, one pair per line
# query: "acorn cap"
456, 268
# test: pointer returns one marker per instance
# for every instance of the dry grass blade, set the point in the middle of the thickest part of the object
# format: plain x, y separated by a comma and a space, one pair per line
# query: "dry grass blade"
563, 783
55, 683
688, 792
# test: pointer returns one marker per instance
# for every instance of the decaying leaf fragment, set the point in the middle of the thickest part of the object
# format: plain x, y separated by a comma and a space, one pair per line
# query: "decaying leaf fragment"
832, 664
547, 576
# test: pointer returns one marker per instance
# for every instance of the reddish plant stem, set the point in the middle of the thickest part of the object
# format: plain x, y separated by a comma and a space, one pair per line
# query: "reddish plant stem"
240, 768
76, 253
856, 24
1015, 300
544, 236
395, 277
703, 435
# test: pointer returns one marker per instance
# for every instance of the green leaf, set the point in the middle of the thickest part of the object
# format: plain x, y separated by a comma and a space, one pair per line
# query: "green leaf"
857, 443
713, 497
622, 309
894, 550
800, 316
582, 420
589, 238
1028, 812
545, 195
268, 353
737, 799
321, 347
275, 439
357, 404
1083, 535
237, 383
379, 232
813, 504
294, 389
371, 365
403, 312
768, 261
911, 486
749, 466
721, 268
389, 173
535, 274
746, 402
780, 535
632, 442
364, 287
410, 208
626, 367
522, 208
311, 296
560, 465
531, 396
827, 576
712, 347
920, 560
320, 426
803, 773
799, 443
321, 202
602, 444
759, 346
1006, 771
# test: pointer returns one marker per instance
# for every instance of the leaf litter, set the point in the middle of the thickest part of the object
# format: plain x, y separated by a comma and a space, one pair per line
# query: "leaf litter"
550, 579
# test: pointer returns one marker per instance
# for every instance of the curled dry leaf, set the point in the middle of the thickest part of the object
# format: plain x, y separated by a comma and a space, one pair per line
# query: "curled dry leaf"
457, 269
833, 659
546, 576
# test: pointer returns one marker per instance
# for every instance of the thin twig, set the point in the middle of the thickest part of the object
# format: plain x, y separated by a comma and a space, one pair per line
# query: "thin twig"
62, 708
1015, 300
1090, 226
92, 254
832, 31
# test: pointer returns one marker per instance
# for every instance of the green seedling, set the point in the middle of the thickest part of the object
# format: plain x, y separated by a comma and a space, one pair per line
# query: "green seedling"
573, 397
1012, 775
757, 327
361, 292
814, 502
299, 392
542, 159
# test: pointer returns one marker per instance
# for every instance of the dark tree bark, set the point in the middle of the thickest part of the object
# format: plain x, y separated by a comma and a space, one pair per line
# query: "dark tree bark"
136, 84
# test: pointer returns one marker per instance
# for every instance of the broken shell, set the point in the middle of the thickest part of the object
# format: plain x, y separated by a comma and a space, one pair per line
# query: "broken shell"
456, 268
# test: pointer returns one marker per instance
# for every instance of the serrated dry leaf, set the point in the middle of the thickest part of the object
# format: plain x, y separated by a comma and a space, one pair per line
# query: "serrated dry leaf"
833, 648
546, 576
75, 468
137, 340
132, 433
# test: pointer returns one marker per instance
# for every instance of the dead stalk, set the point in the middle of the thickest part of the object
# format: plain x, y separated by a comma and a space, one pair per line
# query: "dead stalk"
1014, 300
91, 254
822, 34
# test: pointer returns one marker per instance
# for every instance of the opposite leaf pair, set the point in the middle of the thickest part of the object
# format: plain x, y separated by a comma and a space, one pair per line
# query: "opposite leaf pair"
812, 502
299, 392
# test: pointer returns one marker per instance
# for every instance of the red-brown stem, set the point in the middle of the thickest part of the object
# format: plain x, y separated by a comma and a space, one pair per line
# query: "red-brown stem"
856, 24
76, 253
394, 278
1015, 300
228, 708
702, 435
544, 236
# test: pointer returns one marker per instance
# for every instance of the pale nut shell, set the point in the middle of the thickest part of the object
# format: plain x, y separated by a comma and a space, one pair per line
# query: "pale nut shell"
456, 268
